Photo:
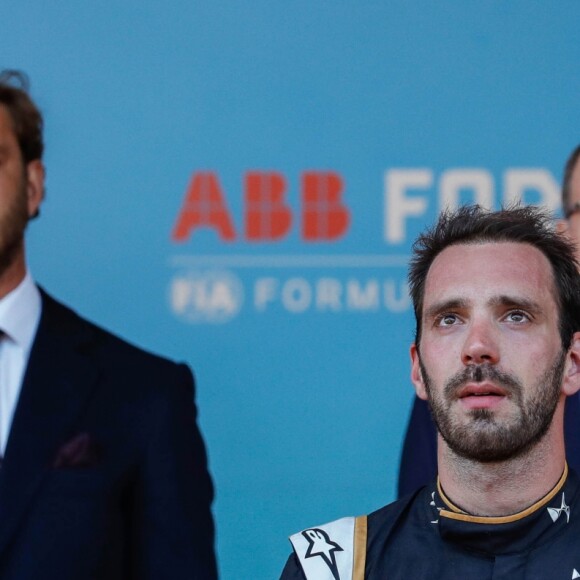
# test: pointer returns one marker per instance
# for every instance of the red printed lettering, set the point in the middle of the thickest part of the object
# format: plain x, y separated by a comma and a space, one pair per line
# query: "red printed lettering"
324, 217
267, 217
204, 206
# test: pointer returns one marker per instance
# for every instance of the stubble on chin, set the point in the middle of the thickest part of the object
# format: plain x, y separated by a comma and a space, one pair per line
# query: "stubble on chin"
483, 436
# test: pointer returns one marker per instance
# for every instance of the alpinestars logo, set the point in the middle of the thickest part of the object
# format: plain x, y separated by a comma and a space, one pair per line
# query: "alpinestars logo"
555, 513
433, 504
321, 545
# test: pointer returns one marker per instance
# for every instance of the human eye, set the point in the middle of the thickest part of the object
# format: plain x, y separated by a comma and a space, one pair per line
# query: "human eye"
447, 319
517, 316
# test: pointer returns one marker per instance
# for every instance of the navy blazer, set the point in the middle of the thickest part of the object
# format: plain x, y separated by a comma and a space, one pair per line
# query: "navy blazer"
105, 473
419, 456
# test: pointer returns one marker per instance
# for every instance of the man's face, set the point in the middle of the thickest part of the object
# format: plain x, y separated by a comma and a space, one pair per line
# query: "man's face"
21, 190
490, 359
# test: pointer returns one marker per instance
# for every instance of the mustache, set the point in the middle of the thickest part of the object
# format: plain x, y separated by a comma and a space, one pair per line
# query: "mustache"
480, 374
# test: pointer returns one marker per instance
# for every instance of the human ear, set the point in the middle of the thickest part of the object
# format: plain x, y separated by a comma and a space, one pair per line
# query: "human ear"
561, 226
571, 381
34, 186
416, 374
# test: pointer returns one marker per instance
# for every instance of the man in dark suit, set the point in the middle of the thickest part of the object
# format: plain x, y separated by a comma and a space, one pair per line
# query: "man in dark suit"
419, 456
104, 472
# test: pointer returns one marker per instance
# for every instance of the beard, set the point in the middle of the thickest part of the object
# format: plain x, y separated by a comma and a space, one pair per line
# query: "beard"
13, 221
486, 438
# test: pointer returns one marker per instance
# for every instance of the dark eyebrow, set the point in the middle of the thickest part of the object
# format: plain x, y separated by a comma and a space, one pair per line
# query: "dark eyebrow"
451, 304
516, 302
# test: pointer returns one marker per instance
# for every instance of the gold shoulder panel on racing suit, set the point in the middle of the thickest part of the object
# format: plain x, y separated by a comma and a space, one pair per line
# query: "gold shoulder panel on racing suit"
360, 548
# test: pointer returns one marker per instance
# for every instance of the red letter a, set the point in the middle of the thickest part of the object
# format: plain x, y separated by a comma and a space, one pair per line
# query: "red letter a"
203, 206
267, 218
323, 215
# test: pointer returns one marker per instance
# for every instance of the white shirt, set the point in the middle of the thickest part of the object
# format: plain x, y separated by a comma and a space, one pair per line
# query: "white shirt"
19, 318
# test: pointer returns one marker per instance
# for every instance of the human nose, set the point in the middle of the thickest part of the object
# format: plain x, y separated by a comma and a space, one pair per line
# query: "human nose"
480, 345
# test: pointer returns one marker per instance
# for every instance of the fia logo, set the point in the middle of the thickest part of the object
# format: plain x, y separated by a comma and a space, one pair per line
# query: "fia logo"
206, 296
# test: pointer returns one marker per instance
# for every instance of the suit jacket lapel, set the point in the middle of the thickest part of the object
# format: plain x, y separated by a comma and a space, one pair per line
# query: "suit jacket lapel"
57, 383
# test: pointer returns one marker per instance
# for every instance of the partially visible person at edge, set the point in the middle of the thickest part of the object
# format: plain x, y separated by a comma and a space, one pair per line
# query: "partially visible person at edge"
103, 468
419, 454
496, 297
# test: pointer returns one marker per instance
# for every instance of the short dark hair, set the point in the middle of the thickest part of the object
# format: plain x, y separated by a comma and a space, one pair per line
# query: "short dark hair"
521, 224
25, 115
570, 165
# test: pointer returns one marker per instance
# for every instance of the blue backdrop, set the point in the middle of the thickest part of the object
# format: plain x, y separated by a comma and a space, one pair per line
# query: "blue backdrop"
300, 146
